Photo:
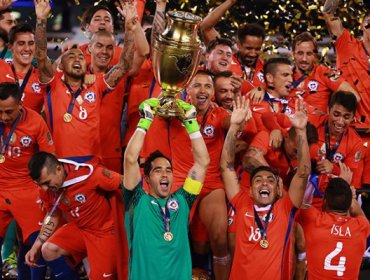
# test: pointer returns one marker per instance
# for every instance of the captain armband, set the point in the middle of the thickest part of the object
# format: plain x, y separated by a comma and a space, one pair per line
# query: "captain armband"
192, 186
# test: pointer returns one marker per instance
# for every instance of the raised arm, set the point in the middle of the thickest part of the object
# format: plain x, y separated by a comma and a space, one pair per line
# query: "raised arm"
159, 21
299, 182
42, 8
207, 27
345, 86
227, 169
355, 209
199, 149
140, 41
333, 22
131, 168
132, 29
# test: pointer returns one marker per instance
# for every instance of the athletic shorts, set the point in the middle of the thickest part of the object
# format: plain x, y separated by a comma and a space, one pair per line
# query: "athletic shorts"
100, 249
25, 207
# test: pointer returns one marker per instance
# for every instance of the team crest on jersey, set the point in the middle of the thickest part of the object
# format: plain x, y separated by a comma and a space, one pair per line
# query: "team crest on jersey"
81, 198
36, 87
209, 131
90, 97
337, 157
261, 77
25, 141
271, 218
8, 60
173, 204
313, 86
288, 111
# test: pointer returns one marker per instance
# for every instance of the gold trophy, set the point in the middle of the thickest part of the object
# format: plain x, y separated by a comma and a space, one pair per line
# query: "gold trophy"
176, 56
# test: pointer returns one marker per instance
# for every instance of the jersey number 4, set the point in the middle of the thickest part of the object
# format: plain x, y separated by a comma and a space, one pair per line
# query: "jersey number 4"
340, 267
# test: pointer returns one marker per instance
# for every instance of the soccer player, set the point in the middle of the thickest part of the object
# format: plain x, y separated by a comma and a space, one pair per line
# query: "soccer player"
78, 192
23, 132
7, 21
263, 219
314, 82
225, 90
72, 110
335, 236
338, 142
157, 223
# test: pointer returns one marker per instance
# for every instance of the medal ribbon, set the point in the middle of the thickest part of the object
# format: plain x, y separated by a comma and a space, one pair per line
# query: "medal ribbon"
263, 229
297, 82
5, 143
165, 215
330, 152
74, 97
25, 80
270, 100
245, 74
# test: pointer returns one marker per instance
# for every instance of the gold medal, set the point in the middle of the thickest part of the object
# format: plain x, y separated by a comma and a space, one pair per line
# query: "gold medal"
168, 236
67, 117
47, 220
264, 243
2, 158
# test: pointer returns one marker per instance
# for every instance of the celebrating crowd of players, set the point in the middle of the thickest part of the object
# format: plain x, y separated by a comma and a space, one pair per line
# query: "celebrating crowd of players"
260, 172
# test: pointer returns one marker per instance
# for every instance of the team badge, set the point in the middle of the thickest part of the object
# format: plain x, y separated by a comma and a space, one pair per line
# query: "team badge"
337, 157
81, 198
173, 204
49, 138
357, 156
209, 131
25, 141
36, 87
313, 86
264, 218
261, 77
288, 111
8, 60
90, 97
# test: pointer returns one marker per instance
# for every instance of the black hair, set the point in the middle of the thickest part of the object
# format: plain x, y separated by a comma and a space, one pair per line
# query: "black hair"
255, 171
272, 64
19, 28
90, 12
9, 89
338, 195
148, 162
219, 41
345, 98
40, 160
5, 11
251, 29
4, 36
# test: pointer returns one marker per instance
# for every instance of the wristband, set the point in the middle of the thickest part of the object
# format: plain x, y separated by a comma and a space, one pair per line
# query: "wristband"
191, 126
144, 124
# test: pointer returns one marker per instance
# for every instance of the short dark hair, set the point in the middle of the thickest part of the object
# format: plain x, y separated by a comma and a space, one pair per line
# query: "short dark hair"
40, 160
272, 64
219, 41
255, 171
4, 35
338, 195
345, 98
90, 12
19, 28
311, 132
223, 74
251, 29
304, 37
9, 89
148, 162
5, 11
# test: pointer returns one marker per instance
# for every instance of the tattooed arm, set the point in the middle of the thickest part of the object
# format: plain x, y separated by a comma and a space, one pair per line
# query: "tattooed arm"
132, 29
228, 173
42, 9
159, 21
299, 182
47, 229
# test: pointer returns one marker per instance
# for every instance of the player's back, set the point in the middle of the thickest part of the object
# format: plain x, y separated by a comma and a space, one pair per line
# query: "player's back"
334, 244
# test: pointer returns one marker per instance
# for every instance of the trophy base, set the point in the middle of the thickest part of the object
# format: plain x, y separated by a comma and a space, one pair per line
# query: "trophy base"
168, 108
